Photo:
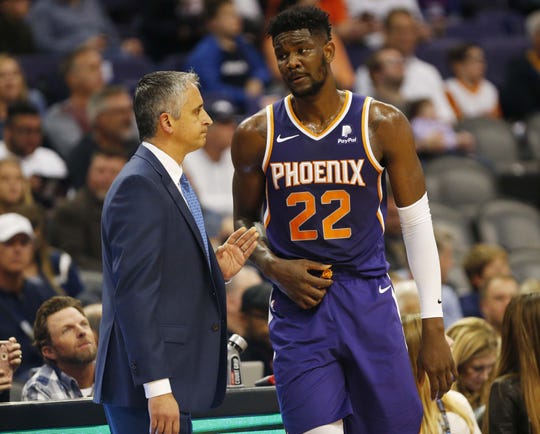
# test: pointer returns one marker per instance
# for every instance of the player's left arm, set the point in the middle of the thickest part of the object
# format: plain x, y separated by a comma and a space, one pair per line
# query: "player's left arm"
392, 142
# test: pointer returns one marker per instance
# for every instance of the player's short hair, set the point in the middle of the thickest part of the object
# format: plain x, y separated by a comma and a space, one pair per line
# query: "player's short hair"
301, 17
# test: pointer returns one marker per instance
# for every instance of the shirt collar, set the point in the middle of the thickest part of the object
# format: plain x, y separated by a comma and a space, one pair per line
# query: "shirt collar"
171, 166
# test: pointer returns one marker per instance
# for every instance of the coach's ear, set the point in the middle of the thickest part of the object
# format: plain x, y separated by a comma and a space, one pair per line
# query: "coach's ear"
165, 123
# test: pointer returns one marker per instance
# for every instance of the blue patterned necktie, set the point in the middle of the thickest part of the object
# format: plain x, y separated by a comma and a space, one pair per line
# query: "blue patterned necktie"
195, 208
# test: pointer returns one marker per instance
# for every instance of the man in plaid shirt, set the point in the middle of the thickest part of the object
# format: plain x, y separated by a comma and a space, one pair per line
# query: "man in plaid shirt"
64, 338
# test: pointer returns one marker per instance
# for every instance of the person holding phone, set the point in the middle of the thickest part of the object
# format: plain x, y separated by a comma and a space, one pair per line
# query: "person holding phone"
10, 359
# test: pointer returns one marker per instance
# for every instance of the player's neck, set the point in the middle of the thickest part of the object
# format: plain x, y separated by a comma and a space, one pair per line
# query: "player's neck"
318, 111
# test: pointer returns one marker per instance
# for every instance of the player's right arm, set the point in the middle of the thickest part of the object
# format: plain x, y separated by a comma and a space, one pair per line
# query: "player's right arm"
249, 183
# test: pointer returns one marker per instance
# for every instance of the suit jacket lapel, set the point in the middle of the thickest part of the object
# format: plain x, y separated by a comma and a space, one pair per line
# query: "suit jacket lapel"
173, 191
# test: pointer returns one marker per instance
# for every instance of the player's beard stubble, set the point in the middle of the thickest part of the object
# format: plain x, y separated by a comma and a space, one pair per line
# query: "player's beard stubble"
316, 85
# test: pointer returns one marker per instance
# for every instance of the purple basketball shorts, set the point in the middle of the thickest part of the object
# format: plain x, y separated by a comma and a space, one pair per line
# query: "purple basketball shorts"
344, 359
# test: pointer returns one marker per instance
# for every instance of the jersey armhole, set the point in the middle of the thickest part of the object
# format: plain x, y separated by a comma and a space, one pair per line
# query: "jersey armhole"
269, 136
365, 136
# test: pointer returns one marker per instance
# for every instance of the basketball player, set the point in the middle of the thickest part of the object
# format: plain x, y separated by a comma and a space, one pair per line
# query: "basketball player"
315, 164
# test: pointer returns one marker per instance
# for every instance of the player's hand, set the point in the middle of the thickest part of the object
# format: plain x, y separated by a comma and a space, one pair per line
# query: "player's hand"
233, 254
164, 414
435, 358
299, 279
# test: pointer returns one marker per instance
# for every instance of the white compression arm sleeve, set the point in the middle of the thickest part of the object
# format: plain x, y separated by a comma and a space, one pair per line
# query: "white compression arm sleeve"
422, 255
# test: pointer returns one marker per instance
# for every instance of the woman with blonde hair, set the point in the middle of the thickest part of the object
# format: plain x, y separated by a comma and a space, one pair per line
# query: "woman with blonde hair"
514, 400
451, 414
14, 187
13, 87
475, 350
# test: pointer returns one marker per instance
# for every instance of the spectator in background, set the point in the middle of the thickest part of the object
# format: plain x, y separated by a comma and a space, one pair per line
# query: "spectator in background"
530, 285
481, 262
13, 88
422, 80
451, 306
23, 139
520, 93
66, 122
170, 27
19, 297
76, 223
50, 266
475, 350
375, 12
495, 294
61, 26
64, 338
386, 68
407, 298
252, 15
433, 135
15, 34
229, 67
247, 276
210, 170
14, 354
113, 131
14, 187
515, 394
255, 301
468, 91
452, 412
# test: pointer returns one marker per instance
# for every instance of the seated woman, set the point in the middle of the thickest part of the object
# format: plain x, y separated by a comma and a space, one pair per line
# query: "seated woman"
53, 267
13, 87
14, 187
475, 350
450, 414
515, 394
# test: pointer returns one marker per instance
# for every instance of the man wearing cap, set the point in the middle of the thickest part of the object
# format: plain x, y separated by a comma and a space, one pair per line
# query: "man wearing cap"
20, 298
210, 169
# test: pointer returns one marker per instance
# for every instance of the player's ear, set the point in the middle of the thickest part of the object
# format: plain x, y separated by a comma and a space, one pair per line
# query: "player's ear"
329, 51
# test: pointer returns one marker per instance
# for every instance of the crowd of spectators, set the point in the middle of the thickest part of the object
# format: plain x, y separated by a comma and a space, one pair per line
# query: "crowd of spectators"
66, 131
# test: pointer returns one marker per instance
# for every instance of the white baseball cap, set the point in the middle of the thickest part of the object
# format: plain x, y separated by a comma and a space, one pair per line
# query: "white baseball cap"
12, 224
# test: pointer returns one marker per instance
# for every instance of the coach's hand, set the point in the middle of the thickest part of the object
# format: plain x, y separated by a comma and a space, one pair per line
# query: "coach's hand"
435, 358
164, 414
299, 280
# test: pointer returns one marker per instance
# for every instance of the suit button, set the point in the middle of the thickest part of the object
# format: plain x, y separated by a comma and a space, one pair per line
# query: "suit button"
215, 327
213, 293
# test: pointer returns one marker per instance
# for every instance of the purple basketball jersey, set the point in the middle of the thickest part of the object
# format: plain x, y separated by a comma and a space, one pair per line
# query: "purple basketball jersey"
325, 193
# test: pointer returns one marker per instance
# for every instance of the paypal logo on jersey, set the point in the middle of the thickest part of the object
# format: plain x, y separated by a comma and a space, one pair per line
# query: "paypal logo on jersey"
346, 130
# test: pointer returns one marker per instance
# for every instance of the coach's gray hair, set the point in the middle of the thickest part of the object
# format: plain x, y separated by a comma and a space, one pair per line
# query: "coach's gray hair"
160, 92
532, 23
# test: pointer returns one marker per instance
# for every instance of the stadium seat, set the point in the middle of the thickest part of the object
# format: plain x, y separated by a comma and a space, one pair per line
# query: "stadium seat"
495, 141
532, 136
460, 182
456, 223
510, 223
525, 264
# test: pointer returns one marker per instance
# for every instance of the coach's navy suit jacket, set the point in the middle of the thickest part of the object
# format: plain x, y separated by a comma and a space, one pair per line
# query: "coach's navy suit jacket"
163, 304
